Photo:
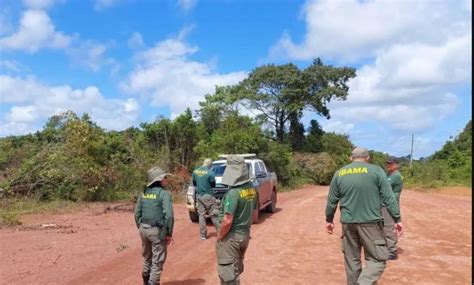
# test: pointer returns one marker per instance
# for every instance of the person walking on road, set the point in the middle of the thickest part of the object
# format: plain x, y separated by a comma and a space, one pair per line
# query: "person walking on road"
155, 220
206, 204
396, 182
360, 188
235, 220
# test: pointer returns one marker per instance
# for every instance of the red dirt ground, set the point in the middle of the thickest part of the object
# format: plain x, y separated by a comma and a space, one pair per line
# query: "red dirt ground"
98, 246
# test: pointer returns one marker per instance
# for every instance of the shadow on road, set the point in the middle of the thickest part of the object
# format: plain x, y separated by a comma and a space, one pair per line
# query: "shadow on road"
264, 215
186, 282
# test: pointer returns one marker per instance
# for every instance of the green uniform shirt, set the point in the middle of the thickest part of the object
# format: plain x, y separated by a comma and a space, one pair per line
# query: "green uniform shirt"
360, 188
154, 204
240, 202
202, 178
396, 181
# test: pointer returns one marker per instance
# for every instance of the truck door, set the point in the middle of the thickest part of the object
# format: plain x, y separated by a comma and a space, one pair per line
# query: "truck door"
264, 181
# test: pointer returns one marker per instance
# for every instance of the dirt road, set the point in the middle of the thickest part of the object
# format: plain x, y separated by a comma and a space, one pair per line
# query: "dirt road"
96, 246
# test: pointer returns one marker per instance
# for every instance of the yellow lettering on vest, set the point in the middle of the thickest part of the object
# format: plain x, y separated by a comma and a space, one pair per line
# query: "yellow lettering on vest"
199, 172
357, 170
248, 193
354, 170
149, 196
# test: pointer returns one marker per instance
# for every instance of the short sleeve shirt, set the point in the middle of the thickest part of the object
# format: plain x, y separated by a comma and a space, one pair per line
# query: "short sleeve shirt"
240, 202
203, 177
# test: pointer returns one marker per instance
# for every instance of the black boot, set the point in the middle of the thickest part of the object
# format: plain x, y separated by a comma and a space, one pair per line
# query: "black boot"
145, 279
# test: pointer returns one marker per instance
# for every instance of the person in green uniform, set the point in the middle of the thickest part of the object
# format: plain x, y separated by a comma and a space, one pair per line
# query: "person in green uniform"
395, 179
204, 179
235, 220
155, 220
360, 188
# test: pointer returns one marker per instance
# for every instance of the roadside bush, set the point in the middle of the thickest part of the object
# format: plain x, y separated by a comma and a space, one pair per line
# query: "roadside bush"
428, 174
279, 158
9, 219
338, 146
319, 167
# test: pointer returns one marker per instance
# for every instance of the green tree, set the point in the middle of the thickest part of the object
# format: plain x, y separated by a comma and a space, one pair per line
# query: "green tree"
185, 135
158, 133
314, 138
378, 158
282, 92
238, 134
296, 134
338, 146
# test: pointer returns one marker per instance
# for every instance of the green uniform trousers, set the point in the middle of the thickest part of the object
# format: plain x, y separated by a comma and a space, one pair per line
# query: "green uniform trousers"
230, 257
206, 205
388, 229
154, 252
370, 237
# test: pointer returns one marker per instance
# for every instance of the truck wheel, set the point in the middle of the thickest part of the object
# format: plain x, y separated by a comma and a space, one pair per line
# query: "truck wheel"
194, 217
271, 208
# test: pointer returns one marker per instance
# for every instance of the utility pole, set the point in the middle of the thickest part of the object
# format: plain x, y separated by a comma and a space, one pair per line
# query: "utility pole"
411, 152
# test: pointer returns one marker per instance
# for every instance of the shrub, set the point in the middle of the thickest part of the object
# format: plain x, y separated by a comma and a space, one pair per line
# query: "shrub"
319, 168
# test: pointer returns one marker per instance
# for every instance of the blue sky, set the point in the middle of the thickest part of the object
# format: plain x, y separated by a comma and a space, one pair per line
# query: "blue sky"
129, 61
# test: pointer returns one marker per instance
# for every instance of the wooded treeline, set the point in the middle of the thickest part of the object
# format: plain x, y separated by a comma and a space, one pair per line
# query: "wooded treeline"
73, 158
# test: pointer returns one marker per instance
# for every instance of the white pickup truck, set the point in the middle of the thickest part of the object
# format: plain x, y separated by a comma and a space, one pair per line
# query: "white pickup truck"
264, 181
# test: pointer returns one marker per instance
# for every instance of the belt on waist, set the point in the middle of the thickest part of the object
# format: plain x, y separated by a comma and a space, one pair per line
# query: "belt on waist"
152, 223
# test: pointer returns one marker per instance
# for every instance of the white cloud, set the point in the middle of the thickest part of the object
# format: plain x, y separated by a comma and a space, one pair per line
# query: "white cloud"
36, 31
408, 116
17, 89
352, 29
6, 26
92, 56
22, 114
421, 65
11, 66
338, 127
38, 4
104, 4
165, 76
31, 103
135, 41
408, 82
187, 5
413, 53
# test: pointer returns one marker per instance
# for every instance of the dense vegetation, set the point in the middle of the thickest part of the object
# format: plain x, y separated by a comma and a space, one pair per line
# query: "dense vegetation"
73, 159
450, 166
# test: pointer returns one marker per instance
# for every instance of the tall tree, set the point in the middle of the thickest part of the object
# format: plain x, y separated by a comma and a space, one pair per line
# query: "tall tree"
296, 133
314, 138
282, 92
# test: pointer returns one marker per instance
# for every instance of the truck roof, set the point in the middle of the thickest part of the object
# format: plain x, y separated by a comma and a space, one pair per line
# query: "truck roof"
245, 155
246, 160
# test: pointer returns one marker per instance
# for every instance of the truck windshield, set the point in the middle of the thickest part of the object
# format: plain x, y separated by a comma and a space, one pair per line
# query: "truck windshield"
219, 168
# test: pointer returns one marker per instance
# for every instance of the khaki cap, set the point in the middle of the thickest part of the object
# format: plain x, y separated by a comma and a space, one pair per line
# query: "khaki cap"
236, 172
156, 174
